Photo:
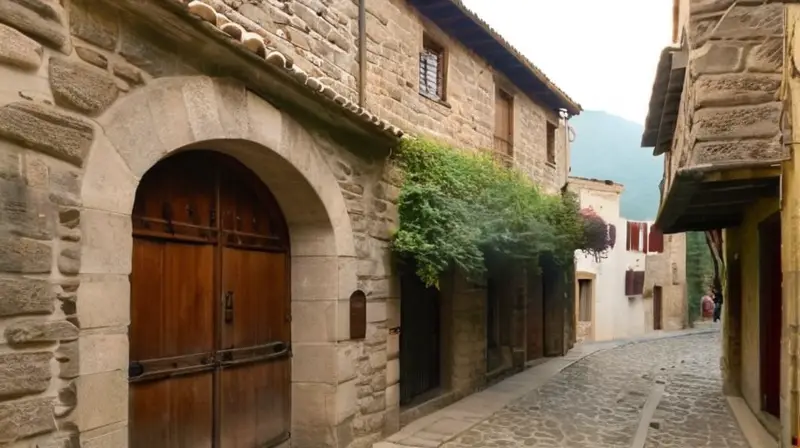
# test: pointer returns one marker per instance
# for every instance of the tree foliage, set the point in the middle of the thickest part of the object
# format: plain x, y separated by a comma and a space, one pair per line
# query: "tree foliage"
597, 234
455, 207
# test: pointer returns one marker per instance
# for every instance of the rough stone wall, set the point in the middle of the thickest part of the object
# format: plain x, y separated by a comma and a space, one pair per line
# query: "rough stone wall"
730, 107
59, 71
668, 270
322, 37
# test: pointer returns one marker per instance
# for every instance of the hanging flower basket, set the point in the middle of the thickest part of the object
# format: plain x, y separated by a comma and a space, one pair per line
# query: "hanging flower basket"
597, 236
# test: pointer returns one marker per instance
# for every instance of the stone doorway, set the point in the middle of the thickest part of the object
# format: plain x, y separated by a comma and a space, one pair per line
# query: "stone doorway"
209, 333
770, 316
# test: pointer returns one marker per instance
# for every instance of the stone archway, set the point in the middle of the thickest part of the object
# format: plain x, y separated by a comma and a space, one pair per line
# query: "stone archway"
176, 114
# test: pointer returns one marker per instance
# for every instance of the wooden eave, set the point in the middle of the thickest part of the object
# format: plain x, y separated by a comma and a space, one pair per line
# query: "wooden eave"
705, 198
665, 100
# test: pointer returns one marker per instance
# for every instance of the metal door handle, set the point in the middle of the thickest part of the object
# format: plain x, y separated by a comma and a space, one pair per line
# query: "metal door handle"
228, 302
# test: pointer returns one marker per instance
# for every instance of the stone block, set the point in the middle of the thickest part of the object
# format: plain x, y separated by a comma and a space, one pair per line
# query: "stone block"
81, 87
108, 183
69, 260
107, 243
313, 414
343, 320
24, 373
737, 122
393, 396
314, 321
736, 89
315, 278
95, 23
45, 129
727, 151
766, 57
40, 331
92, 56
708, 6
26, 418
393, 371
346, 401
19, 50
102, 399
104, 301
24, 256
717, 58
43, 20
25, 211
68, 358
376, 311
19, 296
103, 353
749, 22
314, 363
113, 436
347, 358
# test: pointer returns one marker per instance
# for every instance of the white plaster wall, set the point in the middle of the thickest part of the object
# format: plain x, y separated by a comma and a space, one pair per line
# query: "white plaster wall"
615, 315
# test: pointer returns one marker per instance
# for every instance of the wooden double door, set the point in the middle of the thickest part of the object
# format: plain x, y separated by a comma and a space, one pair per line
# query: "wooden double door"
210, 323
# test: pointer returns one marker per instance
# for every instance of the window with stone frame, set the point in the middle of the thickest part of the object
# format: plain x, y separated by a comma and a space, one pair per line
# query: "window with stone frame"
551, 143
432, 70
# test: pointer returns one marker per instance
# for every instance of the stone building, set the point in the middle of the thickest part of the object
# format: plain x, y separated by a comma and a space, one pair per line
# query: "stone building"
169, 170
723, 121
638, 286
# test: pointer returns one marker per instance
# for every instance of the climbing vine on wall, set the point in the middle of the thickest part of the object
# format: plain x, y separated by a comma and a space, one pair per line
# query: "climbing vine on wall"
456, 206
597, 235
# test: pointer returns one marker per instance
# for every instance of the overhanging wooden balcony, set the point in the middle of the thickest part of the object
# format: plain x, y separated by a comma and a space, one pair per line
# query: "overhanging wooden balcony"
722, 151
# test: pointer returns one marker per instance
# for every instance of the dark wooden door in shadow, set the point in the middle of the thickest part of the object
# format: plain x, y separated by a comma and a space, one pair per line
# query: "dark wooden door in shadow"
770, 298
209, 334
658, 308
420, 339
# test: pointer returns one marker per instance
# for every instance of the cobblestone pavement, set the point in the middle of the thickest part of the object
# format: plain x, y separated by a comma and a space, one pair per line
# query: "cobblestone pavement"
597, 402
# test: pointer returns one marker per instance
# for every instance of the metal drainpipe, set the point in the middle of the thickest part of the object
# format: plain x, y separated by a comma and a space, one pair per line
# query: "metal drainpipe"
362, 53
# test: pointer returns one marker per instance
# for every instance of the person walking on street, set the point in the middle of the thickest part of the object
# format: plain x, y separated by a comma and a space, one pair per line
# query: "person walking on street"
707, 305
717, 305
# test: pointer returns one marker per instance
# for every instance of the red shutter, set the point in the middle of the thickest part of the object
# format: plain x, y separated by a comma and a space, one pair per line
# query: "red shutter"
628, 234
656, 240
635, 236
644, 237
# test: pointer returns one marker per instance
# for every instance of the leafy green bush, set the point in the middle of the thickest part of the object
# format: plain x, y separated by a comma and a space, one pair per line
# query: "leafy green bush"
455, 207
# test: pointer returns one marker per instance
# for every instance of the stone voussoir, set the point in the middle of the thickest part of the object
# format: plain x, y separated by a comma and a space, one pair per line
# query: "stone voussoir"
81, 87
46, 129
19, 50
41, 20
32, 330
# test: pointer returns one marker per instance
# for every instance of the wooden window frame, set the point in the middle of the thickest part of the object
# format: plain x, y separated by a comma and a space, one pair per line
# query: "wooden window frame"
432, 45
551, 133
508, 157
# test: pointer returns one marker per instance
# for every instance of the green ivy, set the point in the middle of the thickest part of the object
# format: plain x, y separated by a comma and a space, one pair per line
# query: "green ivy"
456, 206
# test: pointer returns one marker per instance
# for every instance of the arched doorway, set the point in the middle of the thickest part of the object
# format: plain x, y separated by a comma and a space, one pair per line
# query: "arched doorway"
210, 330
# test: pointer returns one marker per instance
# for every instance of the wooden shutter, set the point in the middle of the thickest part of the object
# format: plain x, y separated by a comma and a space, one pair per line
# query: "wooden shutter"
628, 235
638, 283
502, 124
645, 242
429, 73
656, 240
634, 236
629, 282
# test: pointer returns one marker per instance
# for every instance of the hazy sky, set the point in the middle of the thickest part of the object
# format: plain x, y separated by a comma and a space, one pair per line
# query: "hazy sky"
601, 53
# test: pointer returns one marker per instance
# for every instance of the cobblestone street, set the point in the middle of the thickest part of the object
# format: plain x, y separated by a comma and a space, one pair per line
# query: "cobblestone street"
598, 402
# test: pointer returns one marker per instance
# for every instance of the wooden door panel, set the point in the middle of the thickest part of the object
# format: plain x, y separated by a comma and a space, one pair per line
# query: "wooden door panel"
535, 317
259, 295
254, 403
255, 389
172, 291
177, 412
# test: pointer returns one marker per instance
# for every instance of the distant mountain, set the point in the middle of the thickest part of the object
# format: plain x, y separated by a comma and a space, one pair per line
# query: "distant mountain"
608, 147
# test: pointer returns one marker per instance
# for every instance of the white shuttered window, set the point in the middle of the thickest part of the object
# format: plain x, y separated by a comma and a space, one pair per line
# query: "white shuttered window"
431, 70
